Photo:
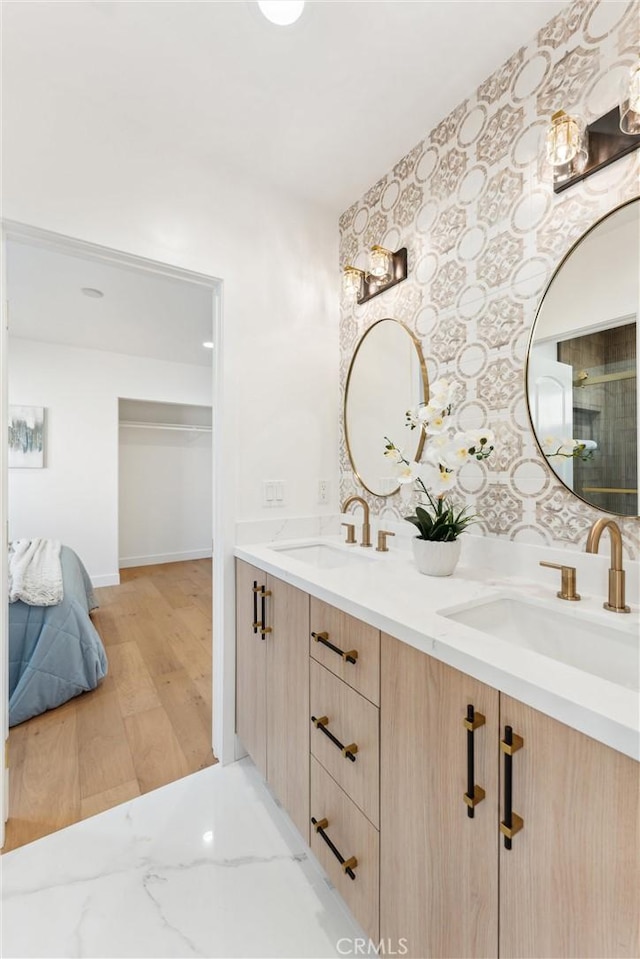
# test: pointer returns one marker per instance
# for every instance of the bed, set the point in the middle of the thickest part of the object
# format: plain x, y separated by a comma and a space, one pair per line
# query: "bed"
55, 652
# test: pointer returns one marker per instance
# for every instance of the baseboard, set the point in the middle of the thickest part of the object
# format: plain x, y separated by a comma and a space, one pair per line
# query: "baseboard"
109, 579
157, 558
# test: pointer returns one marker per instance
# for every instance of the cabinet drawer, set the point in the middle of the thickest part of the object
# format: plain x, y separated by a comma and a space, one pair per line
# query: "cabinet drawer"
353, 836
347, 634
352, 720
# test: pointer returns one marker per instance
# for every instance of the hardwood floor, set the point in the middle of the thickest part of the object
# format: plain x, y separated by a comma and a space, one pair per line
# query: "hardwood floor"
147, 724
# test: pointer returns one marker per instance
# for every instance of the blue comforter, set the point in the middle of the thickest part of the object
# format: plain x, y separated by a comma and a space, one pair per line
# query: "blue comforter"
55, 652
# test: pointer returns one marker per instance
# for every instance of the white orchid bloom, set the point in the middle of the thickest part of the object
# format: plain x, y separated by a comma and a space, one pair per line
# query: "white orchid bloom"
481, 439
438, 423
408, 472
443, 393
568, 446
394, 454
437, 478
443, 483
456, 452
433, 449
424, 413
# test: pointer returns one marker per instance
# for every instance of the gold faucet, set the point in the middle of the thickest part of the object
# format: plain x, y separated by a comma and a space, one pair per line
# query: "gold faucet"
366, 527
615, 603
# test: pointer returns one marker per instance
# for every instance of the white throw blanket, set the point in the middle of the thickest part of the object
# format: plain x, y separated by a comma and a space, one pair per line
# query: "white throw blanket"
35, 572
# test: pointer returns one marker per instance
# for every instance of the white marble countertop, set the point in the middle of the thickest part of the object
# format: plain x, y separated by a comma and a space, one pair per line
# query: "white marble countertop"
388, 592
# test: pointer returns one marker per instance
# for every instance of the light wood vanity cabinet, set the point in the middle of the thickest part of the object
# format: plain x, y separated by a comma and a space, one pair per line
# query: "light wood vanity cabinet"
438, 881
355, 839
421, 828
272, 685
251, 665
568, 887
345, 747
355, 723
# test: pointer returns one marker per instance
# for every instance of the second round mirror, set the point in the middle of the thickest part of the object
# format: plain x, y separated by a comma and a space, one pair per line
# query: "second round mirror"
387, 377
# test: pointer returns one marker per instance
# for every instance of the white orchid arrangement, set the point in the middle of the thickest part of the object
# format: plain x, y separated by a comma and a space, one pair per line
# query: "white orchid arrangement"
567, 448
446, 450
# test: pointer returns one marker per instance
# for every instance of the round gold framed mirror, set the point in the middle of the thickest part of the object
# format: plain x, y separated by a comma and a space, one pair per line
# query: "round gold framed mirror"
387, 376
581, 373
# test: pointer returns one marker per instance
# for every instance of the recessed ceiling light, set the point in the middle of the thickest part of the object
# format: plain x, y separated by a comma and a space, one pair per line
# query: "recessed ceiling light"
208, 344
91, 291
281, 12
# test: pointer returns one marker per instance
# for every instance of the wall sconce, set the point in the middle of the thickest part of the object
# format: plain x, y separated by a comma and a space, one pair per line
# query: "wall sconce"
385, 270
574, 151
566, 145
630, 103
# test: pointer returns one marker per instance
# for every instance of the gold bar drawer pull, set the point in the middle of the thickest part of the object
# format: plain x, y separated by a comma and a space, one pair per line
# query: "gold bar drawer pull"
474, 794
350, 656
264, 629
347, 751
348, 865
512, 823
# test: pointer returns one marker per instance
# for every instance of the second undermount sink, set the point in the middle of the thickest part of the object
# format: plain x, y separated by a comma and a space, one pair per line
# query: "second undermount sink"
323, 555
590, 645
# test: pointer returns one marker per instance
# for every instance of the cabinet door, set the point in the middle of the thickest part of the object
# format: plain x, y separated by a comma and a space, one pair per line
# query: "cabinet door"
438, 866
288, 700
569, 885
251, 666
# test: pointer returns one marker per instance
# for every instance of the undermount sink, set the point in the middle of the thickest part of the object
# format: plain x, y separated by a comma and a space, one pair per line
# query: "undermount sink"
323, 555
592, 646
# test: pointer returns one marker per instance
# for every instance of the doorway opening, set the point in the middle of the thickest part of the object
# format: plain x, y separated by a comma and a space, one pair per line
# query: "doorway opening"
112, 348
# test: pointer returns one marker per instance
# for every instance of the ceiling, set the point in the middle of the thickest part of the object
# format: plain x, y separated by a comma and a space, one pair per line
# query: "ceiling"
320, 109
141, 313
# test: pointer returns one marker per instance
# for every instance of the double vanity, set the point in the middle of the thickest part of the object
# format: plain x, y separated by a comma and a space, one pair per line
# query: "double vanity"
461, 754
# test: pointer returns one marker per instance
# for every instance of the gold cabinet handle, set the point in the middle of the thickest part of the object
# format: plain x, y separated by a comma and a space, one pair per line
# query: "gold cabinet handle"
349, 752
512, 823
474, 794
264, 630
350, 656
348, 865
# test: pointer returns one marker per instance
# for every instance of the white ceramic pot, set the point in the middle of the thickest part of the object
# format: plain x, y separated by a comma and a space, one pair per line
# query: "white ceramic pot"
436, 559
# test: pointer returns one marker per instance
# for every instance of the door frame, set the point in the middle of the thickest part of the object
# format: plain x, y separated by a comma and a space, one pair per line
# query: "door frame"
223, 718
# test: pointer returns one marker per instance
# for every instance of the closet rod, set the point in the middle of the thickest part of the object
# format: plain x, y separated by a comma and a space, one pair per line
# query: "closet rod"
185, 427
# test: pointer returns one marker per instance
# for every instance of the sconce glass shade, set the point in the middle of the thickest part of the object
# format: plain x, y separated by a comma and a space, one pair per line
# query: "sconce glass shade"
566, 146
352, 282
630, 102
380, 264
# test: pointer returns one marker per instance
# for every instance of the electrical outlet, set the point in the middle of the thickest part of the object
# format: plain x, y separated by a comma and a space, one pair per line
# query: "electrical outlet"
324, 488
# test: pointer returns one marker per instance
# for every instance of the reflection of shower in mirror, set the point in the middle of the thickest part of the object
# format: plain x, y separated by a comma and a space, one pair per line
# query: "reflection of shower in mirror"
582, 383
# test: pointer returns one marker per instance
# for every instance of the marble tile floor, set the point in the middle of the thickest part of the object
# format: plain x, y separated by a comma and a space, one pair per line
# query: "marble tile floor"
207, 866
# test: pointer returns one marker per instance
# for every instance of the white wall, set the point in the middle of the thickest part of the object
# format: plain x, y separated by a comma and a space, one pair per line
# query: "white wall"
278, 394
165, 496
75, 498
599, 283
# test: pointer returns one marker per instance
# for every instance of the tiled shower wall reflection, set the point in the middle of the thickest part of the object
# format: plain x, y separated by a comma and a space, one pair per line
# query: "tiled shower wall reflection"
484, 234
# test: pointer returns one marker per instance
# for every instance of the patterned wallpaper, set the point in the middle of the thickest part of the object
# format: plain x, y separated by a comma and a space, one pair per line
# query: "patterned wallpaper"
484, 234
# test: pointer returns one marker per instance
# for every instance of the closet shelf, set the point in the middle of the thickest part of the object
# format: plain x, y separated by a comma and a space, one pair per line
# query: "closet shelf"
184, 427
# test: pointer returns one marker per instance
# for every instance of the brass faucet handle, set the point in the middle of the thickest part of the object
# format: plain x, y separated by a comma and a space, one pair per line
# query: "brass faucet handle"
351, 532
568, 582
382, 540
